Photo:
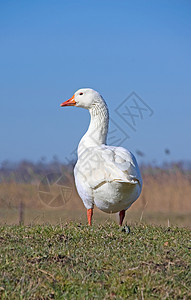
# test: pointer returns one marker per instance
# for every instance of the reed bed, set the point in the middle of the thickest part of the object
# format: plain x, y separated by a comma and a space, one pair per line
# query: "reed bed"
166, 195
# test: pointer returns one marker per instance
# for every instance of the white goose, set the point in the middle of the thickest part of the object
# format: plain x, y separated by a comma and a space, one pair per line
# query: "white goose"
106, 176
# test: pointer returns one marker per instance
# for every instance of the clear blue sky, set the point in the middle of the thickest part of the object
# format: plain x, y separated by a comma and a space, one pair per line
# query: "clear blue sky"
49, 49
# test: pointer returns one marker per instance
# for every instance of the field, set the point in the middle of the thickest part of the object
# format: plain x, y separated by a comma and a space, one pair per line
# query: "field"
25, 197
74, 261
47, 251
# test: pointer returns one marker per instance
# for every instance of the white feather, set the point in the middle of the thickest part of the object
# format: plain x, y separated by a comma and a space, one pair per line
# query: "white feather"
105, 175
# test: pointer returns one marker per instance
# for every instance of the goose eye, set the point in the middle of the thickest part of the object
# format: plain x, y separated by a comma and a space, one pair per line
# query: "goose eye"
80, 94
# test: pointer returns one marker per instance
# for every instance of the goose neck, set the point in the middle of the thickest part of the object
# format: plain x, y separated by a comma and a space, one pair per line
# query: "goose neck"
97, 132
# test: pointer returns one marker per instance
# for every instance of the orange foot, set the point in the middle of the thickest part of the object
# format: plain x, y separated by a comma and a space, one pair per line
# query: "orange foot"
89, 215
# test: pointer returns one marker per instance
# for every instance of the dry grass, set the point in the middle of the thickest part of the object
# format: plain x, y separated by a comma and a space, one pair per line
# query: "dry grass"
165, 198
165, 192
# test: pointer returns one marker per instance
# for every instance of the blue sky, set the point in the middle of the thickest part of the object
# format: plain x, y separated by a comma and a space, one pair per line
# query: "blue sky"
49, 49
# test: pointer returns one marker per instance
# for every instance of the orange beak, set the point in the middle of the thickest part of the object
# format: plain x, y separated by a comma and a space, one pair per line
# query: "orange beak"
69, 102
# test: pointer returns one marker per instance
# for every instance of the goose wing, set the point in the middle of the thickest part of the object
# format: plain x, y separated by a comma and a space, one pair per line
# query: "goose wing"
98, 165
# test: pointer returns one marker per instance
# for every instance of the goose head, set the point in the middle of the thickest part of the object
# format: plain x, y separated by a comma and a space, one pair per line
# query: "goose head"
85, 98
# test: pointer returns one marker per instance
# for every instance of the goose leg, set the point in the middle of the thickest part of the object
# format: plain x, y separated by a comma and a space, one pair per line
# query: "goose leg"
121, 217
89, 215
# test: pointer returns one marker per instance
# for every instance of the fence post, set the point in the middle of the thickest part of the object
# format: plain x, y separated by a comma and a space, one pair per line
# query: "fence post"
21, 213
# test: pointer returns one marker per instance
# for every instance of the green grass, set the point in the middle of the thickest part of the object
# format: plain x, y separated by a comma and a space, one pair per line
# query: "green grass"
74, 261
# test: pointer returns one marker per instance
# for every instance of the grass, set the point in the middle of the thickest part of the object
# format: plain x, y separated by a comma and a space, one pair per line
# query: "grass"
74, 261
43, 216
165, 200
165, 194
